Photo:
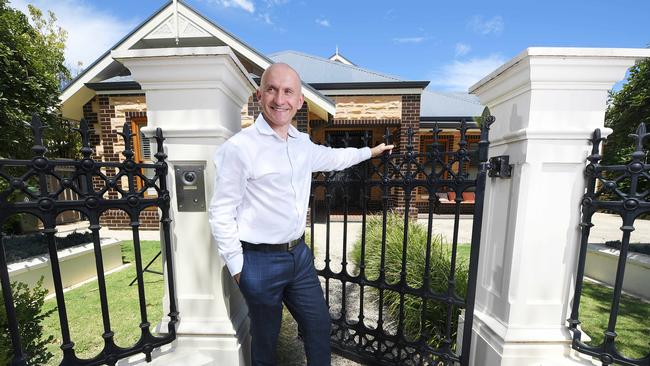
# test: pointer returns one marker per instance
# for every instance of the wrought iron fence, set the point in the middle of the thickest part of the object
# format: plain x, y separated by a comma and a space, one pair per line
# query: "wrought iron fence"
32, 179
623, 190
365, 325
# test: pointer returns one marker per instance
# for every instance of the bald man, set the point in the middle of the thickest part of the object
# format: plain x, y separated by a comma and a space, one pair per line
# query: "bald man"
258, 215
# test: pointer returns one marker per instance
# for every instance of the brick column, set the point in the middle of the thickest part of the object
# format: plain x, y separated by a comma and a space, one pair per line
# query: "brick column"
410, 119
301, 120
107, 136
254, 108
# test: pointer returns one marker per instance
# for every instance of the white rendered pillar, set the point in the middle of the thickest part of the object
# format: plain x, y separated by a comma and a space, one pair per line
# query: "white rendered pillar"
547, 103
195, 95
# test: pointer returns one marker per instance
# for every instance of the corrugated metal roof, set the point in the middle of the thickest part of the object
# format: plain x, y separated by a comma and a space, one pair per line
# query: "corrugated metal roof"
314, 69
438, 104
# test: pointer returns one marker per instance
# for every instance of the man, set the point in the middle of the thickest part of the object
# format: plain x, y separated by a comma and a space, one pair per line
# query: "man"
258, 215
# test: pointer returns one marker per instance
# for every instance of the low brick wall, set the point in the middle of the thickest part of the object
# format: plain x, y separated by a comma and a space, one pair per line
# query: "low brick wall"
118, 219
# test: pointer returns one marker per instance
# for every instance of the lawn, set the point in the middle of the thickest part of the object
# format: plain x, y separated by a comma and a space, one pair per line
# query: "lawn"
86, 323
632, 324
84, 313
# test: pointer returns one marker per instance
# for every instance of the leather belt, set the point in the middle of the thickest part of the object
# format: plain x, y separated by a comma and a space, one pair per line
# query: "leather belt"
263, 247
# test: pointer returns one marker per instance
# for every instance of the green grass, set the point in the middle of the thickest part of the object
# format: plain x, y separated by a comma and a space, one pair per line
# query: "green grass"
631, 326
84, 312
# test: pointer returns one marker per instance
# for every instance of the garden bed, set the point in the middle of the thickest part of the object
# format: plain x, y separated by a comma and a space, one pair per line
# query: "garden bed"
602, 261
77, 265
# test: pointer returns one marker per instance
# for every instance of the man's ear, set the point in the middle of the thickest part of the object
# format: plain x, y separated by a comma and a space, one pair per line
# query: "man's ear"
302, 100
258, 94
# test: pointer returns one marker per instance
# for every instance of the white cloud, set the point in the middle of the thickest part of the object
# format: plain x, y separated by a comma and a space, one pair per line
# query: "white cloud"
91, 32
323, 22
460, 75
462, 49
409, 39
490, 26
270, 3
266, 18
242, 4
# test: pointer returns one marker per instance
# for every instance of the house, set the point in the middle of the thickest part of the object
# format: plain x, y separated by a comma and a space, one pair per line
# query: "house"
341, 98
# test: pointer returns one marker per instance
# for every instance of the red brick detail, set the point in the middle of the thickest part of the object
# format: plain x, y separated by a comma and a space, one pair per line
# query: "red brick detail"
410, 120
118, 219
301, 118
254, 108
106, 136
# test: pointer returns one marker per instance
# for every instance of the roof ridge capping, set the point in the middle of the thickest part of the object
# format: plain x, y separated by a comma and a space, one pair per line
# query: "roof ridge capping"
322, 59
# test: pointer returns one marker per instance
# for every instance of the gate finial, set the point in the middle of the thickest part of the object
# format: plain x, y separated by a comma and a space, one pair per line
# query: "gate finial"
37, 129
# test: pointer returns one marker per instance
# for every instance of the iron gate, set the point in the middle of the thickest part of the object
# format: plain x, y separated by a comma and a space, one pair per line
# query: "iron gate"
91, 186
372, 308
625, 191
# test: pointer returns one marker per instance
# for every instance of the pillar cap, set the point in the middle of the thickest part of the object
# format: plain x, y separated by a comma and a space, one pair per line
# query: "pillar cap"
555, 68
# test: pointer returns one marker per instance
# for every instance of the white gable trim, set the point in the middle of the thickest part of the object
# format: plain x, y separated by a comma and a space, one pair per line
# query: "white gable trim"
158, 19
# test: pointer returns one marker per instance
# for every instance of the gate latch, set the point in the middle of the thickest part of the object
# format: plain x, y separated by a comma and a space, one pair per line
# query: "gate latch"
500, 167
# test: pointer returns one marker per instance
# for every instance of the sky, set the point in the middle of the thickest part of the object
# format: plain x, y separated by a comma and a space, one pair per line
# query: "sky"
453, 44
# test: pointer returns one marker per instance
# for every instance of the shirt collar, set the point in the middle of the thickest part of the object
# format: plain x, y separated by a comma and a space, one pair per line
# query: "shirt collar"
264, 128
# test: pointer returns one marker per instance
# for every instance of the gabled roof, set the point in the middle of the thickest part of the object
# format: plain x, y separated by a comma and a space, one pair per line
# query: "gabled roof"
155, 32
340, 58
325, 74
314, 69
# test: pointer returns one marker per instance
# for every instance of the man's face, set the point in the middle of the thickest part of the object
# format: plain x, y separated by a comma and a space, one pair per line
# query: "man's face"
280, 95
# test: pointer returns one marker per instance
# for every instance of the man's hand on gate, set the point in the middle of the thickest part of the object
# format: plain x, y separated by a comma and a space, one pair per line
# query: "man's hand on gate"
379, 149
236, 277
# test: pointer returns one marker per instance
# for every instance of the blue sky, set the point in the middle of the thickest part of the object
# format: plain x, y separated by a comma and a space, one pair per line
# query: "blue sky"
450, 43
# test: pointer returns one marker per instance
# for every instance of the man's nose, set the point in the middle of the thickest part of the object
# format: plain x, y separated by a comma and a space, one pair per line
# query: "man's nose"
279, 98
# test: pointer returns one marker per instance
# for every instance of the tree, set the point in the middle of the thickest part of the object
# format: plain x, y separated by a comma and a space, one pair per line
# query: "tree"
628, 107
32, 64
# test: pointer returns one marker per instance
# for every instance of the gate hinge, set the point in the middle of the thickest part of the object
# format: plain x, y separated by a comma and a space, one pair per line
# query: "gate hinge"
499, 167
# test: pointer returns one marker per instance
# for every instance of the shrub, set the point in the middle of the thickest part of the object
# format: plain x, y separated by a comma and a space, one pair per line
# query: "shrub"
435, 317
19, 247
28, 304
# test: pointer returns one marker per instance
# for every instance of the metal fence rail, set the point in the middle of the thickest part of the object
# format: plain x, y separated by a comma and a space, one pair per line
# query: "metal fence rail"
398, 177
624, 190
33, 180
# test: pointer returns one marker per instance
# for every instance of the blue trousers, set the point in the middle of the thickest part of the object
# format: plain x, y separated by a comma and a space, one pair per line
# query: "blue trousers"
270, 278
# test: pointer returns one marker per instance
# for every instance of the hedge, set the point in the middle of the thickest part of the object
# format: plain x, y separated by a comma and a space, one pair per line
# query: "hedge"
20, 247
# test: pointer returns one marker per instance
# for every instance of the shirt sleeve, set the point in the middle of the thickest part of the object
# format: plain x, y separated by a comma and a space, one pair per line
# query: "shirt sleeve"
232, 173
325, 158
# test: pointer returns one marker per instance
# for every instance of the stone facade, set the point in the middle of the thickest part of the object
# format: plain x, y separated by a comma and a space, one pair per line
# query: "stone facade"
363, 107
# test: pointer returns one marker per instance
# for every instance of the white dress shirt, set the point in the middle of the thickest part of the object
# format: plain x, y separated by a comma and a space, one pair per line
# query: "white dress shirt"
262, 187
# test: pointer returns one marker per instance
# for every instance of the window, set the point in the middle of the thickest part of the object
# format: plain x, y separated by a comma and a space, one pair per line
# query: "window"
142, 149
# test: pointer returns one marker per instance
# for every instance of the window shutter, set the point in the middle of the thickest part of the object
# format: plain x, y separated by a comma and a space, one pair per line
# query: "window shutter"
146, 148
